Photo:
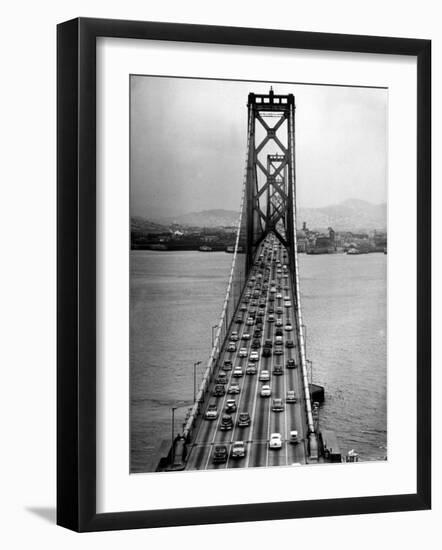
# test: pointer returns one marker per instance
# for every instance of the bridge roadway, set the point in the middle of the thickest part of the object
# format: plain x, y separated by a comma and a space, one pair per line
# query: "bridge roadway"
207, 434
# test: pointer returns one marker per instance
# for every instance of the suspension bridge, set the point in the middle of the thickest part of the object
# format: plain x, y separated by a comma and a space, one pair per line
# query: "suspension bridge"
254, 406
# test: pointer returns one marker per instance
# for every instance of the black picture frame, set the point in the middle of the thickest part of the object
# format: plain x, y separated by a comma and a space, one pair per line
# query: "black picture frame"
76, 273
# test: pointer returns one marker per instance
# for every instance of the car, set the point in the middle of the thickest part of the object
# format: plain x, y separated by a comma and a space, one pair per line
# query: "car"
243, 419
279, 350
279, 322
266, 352
251, 368
277, 405
219, 390
243, 307
226, 422
290, 344
233, 389
221, 378
254, 356
239, 320
238, 372
243, 352
294, 438
256, 343
271, 310
261, 313
219, 454
290, 363
279, 310
291, 396
288, 327
277, 370
257, 332
234, 336
250, 321
211, 412
279, 296
238, 450
279, 332
275, 441
268, 343
259, 322
287, 303
271, 298
227, 365
264, 375
230, 406
273, 290
245, 336
271, 318
279, 340
231, 347
266, 391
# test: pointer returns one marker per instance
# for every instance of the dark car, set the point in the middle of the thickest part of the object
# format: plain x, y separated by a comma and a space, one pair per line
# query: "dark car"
222, 378
227, 365
243, 419
279, 332
226, 422
277, 369
219, 390
268, 343
290, 363
219, 454
289, 344
257, 333
230, 406
239, 320
256, 343
266, 352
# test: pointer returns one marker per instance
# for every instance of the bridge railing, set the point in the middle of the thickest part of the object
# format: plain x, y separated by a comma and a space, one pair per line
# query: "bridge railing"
234, 290
313, 449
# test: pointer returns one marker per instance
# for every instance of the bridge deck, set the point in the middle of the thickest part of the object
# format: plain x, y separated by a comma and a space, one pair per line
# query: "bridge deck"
207, 434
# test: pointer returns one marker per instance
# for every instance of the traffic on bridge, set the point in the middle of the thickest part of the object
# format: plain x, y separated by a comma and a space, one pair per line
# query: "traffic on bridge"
254, 413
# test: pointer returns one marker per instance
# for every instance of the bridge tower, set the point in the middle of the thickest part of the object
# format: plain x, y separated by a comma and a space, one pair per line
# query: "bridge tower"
271, 203
270, 185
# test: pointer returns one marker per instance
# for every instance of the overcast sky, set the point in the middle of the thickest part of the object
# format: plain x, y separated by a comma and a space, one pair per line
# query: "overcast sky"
188, 144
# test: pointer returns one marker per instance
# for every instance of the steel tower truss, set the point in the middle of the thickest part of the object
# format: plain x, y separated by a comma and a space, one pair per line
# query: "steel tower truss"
270, 189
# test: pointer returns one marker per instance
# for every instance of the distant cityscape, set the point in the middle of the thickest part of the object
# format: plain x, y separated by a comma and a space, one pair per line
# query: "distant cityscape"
213, 239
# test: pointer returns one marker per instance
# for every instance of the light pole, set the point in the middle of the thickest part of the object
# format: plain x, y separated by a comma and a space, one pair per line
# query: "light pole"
173, 430
194, 379
213, 338
305, 338
311, 370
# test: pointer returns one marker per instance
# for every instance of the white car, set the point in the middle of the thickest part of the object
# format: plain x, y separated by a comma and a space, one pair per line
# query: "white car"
288, 327
250, 321
245, 336
212, 412
266, 391
234, 336
243, 352
254, 356
279, 296
275, 441
264, 376
279, 322
238, 372
287, 303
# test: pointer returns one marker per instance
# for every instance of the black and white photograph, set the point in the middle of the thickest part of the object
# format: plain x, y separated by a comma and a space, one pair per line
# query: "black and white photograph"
258, 274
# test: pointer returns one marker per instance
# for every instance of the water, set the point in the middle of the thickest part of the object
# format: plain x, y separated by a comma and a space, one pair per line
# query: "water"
176, 298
